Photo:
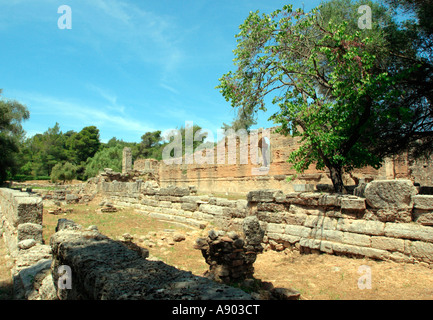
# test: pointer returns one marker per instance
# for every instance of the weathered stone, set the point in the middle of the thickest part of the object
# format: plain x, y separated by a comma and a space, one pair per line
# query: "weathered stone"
267, 195
390, 194
285, 294
26, 244
188, 206
423, 202
252, 230
179, 237
409, 231
352, 204
386, 243
104, 269
361, 226
423, 217
30, 231
72, 198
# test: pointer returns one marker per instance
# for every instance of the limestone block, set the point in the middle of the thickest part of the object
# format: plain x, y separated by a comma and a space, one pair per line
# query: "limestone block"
390, 194
266, 195
275, 228
386, 243
423, 217
303, 187
211, 209
409, 231
283, 237
300, 231
189, 206
361, 226
328, 200
422, 251
353, 204
320, 222
357, 239
423, 202
330, 235
30, 231
302, 209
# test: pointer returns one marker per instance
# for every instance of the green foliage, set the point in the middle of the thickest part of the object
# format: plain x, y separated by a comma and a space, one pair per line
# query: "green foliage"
110, 157
12, 113
63, 172
150, 146
334, 83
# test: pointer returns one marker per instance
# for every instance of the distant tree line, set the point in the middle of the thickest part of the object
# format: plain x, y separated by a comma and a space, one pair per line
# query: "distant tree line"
64, 156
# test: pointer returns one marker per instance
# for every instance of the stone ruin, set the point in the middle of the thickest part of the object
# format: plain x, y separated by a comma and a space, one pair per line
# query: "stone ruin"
230, 257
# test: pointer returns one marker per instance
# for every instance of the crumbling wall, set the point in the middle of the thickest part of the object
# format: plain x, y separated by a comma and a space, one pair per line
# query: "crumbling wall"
103, 269
241, 178
21, 226
389, 220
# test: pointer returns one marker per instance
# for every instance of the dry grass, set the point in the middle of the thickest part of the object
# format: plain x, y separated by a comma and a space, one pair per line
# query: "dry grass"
328, 277
144, 229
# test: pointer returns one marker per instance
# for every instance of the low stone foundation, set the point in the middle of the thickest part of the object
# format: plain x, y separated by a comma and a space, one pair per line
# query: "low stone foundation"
388, 221
105, 269
21, 225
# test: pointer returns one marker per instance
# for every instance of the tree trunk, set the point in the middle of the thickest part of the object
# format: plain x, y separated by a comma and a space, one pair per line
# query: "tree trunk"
337, 179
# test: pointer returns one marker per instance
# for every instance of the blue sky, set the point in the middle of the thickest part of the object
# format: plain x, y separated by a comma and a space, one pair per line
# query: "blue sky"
126, 66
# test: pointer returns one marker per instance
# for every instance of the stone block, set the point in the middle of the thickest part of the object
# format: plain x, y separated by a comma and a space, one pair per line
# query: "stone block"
390, 194
329, 200
266, 195
386, 243
357, 239
423, 217
409, 231
320, 222
211, 209
300, 231
29, 231
352, 204
270, 206
422, 251
361, 226
28, 209
189, 206
423, 202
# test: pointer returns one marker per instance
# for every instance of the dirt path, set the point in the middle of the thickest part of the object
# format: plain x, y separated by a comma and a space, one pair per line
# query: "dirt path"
327, 277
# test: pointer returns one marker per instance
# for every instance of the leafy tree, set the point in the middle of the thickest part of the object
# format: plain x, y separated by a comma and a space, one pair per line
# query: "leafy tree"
332, 82
110, 157
12, 113
150, 145
85, 143
63, 172
244, 120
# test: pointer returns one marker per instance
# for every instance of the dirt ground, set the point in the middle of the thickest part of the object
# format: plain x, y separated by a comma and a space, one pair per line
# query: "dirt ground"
328, 277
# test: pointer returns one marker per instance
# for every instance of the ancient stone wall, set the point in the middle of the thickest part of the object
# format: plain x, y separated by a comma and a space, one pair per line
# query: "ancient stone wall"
234, 176
21, 226
389, 220
104, 269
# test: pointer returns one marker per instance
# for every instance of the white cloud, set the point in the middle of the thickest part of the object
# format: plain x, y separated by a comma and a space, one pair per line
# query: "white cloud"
82, 114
